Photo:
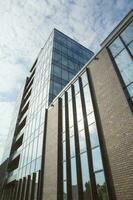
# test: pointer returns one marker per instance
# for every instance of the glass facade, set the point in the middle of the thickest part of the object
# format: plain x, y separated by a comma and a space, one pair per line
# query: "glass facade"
59, 60
68, 57
122, 51
74, 141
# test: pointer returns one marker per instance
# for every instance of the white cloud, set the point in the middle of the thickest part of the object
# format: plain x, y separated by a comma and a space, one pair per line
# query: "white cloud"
26, 24
6, 110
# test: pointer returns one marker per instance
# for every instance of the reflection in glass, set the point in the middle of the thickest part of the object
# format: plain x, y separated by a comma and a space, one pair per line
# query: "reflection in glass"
93, 135
70, 113
85, 177
130, 89
64, 190
130, 46
72, 146
101, 186
91, 118
116, 47
80, 125
84, 79
88, 101
64, 170
64, 150
127, 34
38, 163
76, 86
125, 65
79, 107
74, 179
97, 161
82, 141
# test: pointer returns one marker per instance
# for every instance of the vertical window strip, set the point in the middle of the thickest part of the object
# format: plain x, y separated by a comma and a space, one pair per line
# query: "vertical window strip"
68, 161
77, 148
91, 186
72, 148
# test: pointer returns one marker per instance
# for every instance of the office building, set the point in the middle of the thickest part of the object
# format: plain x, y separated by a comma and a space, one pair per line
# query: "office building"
57, 63
87, 137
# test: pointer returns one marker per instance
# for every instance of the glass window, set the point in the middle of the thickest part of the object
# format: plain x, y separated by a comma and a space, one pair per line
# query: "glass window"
65, 190
64, 170
74, 179
71, 131
57, 88
64, 61
79, 107
64, 150
39, 151
88, 101
34, 148
116, 47
72, 146
57, 57
127, 34
82, 141
97, 161
130, 47
80, 125
38, 164
84, 79
130, 89
101, 186
65, 75
33, 165
85, 177
91, 118
57, 70
125, 65
93, 135
70, 114
76, 86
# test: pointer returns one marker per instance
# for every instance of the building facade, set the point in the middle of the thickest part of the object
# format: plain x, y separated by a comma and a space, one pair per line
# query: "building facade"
57, 63
87, 138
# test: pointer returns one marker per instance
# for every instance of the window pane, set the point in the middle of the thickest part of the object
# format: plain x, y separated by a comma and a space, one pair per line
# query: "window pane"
72, 146
38, 164
74, 179
101, 186
125, 65
64, 150
130, 89
84, 78
82, 141
79, 107
70, 114
65, 75
85, 177
130, 46
91, 118
127, 34
76, 86
65, 190
116, 47
93, 135
88, 101
64, 170
97, 161
57, 71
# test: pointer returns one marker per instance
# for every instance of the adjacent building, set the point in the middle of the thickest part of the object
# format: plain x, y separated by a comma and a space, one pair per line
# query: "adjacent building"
86, 129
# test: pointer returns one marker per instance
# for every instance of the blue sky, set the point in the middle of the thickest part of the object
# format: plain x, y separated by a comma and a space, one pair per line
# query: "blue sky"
25, 26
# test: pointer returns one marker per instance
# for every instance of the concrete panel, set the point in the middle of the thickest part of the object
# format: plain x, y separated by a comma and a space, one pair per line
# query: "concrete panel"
50, 169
